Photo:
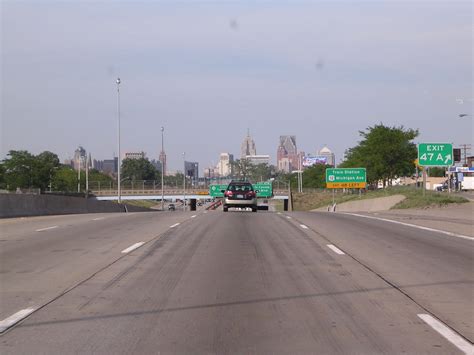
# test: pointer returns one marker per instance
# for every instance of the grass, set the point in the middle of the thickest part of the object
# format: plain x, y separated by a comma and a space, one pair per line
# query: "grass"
414, 198
142, 203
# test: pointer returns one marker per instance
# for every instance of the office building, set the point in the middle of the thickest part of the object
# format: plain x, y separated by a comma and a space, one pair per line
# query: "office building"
248, 147
79, 159
328, 154
191, 169
258, 159
135, 155
287, 154
224, 166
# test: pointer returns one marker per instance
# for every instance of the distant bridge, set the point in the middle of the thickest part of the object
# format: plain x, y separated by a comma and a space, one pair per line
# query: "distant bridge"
169, 194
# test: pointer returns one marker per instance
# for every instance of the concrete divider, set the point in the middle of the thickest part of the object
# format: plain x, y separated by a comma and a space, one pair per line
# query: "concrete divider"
19, 205
368, 205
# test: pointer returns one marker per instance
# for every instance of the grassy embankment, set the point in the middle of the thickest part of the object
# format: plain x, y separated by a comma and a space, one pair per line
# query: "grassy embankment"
142, 203
414, 198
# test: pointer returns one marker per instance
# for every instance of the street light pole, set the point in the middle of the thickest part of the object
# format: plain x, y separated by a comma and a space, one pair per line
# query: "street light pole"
184, 181
162, 169
79, 175
118, 142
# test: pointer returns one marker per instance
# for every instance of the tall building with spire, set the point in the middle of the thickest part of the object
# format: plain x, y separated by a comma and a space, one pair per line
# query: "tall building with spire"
287, 154
247, 147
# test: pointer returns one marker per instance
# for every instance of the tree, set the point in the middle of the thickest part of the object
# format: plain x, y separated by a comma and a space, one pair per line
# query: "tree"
3, 184
19, 169
241, 168
44, 169
65, 179
139, 169
436, 171
386, 153
315, 176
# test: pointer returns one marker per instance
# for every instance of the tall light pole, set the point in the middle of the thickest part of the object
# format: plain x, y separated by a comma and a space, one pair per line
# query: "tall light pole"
162, 169
118, 142
184, 181
79, 175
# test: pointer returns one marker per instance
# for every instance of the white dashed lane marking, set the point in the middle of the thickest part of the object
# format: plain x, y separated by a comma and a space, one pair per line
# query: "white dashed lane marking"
45, 229
449, 334
335, 249
15, 318
174, 225
132, 247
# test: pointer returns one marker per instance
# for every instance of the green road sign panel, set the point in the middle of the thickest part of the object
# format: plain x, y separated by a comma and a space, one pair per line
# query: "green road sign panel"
265, 189
340, 178
215, 190
435, 154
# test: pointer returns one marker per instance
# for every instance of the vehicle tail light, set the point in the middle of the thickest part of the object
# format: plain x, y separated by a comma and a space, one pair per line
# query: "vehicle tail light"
228, 194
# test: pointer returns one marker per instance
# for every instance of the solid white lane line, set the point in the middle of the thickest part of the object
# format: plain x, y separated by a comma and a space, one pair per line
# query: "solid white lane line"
174, 225
414, 226
132, 247
335, 249
45, 229
303, 226
194, 216
449, 334
98, 218
15, 318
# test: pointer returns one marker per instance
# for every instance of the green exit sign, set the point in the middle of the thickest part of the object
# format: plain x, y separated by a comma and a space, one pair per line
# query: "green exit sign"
435, 154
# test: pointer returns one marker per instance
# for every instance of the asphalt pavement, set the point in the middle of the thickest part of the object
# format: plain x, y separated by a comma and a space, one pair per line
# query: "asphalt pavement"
237, 282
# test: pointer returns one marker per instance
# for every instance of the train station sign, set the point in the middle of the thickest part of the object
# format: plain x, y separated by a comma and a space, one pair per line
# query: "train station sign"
435, 154
346, 178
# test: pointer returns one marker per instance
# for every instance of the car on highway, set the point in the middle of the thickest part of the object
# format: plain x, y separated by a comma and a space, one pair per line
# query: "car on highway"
240, 194
171, 207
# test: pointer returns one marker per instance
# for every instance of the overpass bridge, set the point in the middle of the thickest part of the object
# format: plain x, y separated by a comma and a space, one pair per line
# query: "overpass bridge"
169, 194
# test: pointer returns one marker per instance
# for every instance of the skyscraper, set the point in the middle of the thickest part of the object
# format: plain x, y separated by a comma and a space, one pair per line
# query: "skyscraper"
247, 147
287, 154
79, 160
329, 155
224, 165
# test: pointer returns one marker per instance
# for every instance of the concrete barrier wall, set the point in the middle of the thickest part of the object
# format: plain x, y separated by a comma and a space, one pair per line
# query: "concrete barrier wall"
368, 205
16, 205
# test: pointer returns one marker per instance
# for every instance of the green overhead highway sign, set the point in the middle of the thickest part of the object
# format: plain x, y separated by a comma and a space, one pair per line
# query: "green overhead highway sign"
264, 189
349, 178
215, 190
435, 154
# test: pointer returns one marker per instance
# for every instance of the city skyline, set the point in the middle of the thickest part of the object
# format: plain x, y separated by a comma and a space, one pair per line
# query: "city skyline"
321, 71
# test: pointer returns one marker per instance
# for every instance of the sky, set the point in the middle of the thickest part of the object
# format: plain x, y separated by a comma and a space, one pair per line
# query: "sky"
209, 70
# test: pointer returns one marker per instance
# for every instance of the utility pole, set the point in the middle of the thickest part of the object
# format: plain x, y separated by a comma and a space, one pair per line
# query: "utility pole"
184, 182
162, 169
118, 142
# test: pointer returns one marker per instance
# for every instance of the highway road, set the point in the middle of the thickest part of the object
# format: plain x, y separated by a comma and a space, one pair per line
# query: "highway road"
238, 282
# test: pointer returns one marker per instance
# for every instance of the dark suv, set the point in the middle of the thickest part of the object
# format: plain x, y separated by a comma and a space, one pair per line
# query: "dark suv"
240, 194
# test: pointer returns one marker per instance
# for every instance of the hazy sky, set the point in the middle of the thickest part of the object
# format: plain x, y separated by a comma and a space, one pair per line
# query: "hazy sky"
208, 70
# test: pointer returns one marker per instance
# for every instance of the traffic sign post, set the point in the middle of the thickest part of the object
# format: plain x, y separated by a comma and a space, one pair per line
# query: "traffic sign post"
350, 178
435, 154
